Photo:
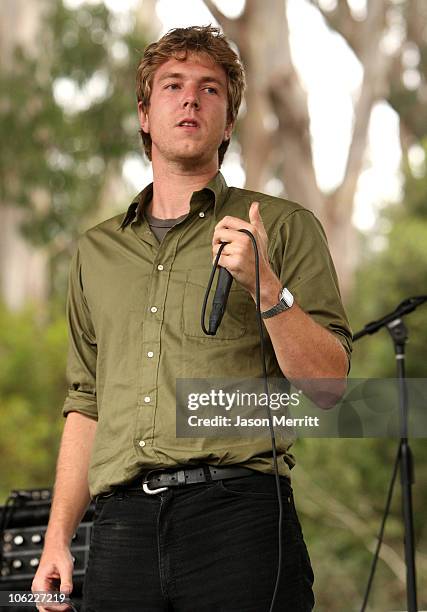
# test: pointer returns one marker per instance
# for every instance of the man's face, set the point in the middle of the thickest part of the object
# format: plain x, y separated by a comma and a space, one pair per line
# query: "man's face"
194, 90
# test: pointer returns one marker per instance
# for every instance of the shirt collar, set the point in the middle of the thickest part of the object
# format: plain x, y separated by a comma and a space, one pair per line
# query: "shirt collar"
217, 187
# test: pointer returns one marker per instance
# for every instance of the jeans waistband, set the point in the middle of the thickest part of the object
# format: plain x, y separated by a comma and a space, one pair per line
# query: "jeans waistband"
157, 480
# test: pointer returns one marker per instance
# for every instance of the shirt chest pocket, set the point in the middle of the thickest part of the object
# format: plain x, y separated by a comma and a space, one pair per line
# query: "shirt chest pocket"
234, 322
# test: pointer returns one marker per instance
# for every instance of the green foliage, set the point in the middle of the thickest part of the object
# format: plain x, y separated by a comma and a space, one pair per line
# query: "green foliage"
32, 391
340, 492
389, 276
343, 492
53, 158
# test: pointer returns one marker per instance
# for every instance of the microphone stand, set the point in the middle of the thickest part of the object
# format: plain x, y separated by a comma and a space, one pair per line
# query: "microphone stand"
399, 334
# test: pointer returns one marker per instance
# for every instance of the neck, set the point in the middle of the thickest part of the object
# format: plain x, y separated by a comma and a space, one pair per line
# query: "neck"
173, 187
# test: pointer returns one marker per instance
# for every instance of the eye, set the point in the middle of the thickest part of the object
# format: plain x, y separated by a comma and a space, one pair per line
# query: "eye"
173, 85
211, 90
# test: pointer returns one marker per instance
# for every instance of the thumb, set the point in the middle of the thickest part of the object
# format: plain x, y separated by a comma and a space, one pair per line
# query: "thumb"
254, 215
66, 585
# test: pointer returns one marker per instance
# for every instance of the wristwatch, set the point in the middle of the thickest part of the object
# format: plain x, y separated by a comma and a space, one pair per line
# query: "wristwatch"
286, 299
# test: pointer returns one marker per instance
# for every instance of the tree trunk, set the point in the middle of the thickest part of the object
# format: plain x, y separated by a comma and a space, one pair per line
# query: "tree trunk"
275, 129
23, 268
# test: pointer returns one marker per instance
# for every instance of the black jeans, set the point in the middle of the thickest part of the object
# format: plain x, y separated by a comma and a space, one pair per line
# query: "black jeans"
209, 547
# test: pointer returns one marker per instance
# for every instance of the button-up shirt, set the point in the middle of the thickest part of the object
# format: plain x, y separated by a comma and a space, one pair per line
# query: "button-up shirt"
133, 313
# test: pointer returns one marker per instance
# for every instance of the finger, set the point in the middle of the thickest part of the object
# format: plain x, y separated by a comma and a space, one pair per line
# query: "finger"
233, 223
255, 216
226, 251
227, 261
235, 247
66, 581
228, 235
56, 608
47, 578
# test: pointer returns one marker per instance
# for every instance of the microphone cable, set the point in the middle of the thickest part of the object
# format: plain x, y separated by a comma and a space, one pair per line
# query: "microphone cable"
264, 372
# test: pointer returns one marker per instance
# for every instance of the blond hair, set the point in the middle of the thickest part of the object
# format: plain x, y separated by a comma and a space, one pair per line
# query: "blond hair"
178, 43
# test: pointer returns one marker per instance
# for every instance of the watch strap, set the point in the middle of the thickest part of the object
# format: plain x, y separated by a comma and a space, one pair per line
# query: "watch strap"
286, 300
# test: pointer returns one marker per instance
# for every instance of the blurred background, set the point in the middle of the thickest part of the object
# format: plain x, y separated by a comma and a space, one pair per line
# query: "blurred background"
335, 117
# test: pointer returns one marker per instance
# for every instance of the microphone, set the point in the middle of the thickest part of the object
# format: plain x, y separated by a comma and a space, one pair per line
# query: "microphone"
220, 299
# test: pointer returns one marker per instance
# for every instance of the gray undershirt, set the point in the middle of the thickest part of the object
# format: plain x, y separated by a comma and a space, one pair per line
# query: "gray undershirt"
160, 227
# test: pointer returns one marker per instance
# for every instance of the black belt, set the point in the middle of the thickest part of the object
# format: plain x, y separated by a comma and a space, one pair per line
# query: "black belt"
159, 480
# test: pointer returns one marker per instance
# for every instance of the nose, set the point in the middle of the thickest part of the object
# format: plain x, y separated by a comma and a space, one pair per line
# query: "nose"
191, 99
191, 103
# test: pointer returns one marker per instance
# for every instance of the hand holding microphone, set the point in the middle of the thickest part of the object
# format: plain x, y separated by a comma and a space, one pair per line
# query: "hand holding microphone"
233, 248
219, 303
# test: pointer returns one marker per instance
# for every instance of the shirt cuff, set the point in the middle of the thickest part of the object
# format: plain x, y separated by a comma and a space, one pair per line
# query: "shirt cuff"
81, 401
343, 340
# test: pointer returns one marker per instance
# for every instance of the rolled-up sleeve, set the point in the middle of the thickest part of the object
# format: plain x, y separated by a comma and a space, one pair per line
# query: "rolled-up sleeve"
82, 347
308, 271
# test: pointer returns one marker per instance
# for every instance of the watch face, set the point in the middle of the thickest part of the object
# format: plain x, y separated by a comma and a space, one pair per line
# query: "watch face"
287, 297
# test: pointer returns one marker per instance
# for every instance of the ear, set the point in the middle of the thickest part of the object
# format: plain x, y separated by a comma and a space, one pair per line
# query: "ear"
228, 131
143, 118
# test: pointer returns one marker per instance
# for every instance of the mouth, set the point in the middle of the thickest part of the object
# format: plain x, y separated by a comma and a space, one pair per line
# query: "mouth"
188, 125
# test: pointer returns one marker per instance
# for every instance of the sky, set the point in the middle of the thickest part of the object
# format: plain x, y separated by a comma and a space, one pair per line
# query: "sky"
331, 76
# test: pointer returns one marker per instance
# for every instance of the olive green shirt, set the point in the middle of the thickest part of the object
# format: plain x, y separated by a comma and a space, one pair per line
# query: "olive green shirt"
133, 312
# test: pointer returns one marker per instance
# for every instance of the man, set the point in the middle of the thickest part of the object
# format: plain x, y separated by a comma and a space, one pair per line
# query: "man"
186, 524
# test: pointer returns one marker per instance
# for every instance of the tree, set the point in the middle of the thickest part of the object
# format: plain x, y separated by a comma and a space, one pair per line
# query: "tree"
351, 503
60, 159
275, 96
23, 269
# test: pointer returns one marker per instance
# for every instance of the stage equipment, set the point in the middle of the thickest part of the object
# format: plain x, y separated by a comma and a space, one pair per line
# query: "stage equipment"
399, 334
23, 524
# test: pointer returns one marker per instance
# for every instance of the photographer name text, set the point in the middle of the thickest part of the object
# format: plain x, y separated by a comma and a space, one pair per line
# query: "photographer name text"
239, 421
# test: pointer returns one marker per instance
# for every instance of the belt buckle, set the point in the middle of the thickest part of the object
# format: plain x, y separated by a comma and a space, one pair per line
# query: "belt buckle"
151, 491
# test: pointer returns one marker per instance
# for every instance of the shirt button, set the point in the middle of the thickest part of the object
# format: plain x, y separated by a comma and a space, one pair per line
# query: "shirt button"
153, 309
160, 267
150, 354
141, 443
147, 399
201, 214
